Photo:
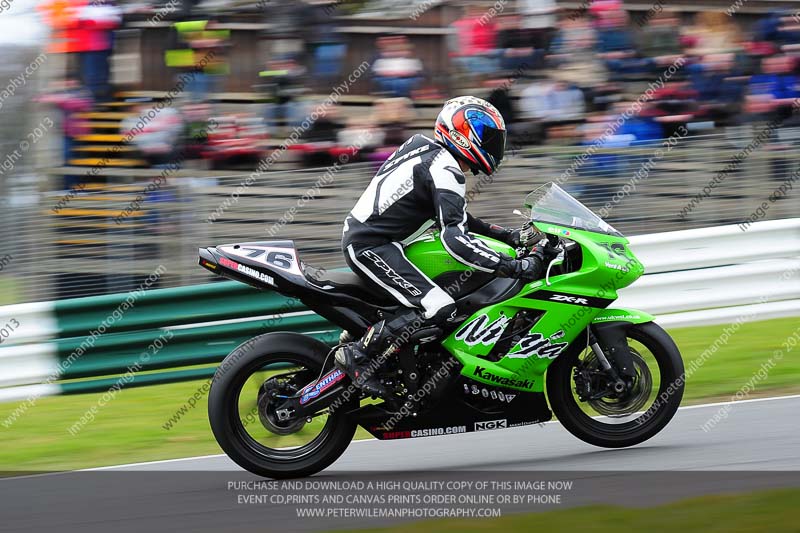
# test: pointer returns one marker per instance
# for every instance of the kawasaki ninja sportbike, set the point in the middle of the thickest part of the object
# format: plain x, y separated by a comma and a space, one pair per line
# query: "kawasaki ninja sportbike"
614, 378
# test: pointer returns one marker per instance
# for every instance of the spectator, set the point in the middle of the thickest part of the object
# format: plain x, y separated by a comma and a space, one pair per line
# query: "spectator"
514, 49
392, 116
572, 53
320, 142
198, 128
396, 71
712, 33
773, 92
660, 40
538, 21
323, 45
788, 35
95, 23
614, 39
500, 98
616, 47
719, 91
70, 98
201, 54
768, 30
360, 131
284, 83
771, 96
156, 139
551, 104
476, 51
674, 105
641, 128
602, 169
599, 10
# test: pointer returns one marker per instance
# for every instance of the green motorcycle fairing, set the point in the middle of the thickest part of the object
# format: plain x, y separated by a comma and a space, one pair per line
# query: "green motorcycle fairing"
567, 305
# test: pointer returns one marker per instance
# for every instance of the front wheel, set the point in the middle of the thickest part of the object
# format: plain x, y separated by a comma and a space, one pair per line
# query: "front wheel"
249, 384
619, 420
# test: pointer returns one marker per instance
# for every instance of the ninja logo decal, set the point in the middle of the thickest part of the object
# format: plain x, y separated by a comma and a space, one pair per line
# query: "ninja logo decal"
480, 331
538, 345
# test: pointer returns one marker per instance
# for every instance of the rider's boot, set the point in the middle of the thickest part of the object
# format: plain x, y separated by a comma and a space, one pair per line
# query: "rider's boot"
362, 359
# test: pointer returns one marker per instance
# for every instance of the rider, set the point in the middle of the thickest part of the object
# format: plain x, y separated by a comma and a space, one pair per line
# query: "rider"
424, 180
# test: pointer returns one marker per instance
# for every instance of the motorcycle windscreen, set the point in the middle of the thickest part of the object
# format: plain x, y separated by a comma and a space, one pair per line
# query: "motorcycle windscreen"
550, 204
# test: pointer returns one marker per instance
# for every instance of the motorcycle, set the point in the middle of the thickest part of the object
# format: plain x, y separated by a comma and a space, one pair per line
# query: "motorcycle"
279, 408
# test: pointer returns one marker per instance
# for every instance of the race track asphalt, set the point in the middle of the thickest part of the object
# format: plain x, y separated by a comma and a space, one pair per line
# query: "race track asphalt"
756, 446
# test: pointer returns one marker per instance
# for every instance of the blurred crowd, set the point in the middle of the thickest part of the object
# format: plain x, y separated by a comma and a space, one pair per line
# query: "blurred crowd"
559, 77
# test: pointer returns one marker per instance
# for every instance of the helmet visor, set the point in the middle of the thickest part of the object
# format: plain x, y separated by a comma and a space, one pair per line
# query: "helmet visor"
492, 140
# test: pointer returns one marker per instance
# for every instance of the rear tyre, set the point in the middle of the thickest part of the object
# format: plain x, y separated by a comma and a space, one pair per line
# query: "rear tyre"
265, 451
638, 425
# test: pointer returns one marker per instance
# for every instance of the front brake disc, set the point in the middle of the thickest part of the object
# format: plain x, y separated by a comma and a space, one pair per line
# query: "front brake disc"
632, 400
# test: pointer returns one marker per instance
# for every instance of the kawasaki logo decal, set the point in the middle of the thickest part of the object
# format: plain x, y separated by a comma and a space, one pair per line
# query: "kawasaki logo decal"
536, 344
482, 373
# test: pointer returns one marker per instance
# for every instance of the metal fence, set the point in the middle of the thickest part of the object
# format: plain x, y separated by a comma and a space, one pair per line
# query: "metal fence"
107, 238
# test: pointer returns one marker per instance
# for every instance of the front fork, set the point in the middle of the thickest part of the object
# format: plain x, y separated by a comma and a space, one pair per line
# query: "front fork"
612, 339
609, 344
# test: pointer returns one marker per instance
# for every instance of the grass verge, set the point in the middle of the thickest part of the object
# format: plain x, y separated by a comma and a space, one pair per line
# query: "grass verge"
775, 511
133, 427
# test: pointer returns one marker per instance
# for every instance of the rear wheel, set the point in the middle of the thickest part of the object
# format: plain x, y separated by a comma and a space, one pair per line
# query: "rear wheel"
618, 420
241, 408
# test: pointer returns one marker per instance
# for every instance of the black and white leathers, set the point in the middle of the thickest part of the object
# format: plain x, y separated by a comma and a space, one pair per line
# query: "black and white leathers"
420, 182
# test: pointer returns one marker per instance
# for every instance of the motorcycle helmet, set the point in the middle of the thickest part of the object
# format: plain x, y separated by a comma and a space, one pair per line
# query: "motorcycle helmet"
473, 131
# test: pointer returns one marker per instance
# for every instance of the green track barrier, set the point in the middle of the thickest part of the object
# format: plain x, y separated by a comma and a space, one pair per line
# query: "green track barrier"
169, 307
186, 347
159, 331
142, 380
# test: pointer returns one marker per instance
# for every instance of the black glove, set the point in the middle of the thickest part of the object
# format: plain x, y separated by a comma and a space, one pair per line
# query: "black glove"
519, 238
545, 251
514, 238
528, 269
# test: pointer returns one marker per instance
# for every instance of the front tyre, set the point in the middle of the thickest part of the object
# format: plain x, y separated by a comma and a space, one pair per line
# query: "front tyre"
243, 421
619, 422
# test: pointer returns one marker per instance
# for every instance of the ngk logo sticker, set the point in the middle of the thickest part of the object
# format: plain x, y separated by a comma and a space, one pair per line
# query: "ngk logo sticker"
491, 424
